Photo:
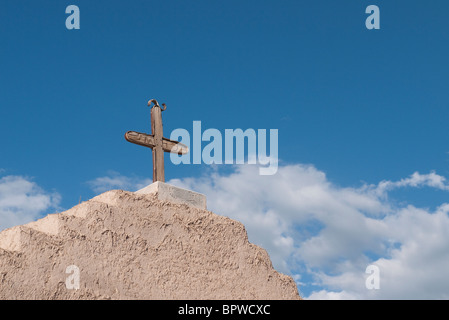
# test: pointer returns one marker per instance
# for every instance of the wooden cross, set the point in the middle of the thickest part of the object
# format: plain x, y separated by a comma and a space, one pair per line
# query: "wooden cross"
156, 141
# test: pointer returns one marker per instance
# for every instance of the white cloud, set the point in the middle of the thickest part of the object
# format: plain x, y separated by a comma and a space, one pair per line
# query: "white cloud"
416, 180
23, 201
330, 295
115, 180
331, 234
325, 235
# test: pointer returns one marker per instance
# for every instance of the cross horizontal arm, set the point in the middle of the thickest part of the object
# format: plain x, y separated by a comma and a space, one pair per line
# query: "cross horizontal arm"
174, 146
147, 140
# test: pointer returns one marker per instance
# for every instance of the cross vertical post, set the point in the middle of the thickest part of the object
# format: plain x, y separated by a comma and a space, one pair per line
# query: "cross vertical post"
158, 152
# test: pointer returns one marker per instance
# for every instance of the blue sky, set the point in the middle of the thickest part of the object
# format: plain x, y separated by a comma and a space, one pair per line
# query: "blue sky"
355, 105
